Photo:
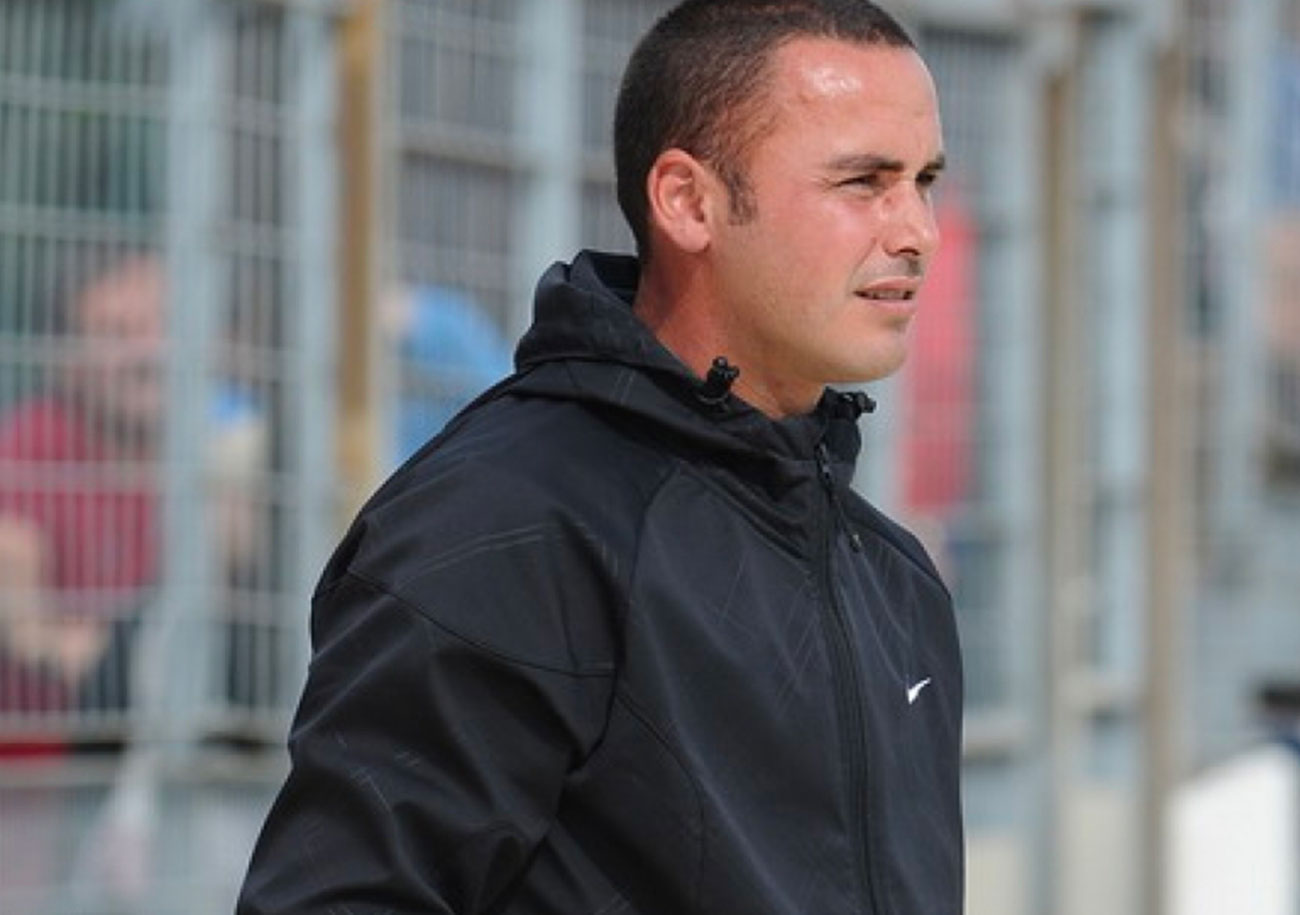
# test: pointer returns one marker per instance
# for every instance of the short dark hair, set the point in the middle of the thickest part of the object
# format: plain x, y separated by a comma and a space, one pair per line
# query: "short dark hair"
696, 77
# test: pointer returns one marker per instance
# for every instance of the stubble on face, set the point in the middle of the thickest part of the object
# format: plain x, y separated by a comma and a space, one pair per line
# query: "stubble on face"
841, 224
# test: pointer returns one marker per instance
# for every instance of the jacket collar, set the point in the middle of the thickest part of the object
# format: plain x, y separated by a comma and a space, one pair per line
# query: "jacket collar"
586, 343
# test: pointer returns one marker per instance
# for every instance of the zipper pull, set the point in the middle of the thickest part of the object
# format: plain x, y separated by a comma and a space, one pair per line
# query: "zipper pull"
828, 482
824, 468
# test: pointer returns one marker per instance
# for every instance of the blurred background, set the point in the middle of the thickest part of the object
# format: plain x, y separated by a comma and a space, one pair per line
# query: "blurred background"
253, 253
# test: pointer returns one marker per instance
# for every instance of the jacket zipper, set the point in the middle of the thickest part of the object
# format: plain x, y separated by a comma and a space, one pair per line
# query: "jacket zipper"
848, 689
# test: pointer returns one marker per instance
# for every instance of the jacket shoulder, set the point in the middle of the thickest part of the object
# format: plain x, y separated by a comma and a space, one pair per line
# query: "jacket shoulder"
515, 531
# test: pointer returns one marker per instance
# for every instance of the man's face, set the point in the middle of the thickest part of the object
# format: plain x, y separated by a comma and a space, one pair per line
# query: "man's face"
819, 287
122, 336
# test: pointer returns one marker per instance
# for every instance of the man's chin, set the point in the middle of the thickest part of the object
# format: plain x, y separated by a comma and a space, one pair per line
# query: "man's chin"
878, 369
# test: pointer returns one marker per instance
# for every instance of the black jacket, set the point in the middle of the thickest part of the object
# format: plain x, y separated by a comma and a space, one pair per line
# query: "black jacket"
605, 646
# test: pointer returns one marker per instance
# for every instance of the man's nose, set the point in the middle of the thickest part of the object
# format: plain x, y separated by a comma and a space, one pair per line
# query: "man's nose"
912, 230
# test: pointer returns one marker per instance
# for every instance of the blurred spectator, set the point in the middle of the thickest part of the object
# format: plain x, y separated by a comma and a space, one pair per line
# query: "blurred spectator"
448, 351
1282, 280
78, 541
78, 512
80, 558
236, 451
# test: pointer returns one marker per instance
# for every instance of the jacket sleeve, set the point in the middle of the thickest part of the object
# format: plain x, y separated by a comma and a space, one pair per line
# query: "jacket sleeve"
455, 682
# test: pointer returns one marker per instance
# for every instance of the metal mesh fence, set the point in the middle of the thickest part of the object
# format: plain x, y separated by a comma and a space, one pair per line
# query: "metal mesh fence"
1243, 159
610, 30
161, 493
954, 437
83, 132
457, 175
483, 166
167, 240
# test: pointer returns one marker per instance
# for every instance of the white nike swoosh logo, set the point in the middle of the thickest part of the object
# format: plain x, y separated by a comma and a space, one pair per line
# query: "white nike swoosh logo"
915, 690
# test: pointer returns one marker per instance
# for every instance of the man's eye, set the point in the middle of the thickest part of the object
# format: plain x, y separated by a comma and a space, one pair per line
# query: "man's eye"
872, 181
926, 180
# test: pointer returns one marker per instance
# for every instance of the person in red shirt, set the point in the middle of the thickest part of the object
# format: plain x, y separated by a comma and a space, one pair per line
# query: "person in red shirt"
78, 545
81, 555
78, 508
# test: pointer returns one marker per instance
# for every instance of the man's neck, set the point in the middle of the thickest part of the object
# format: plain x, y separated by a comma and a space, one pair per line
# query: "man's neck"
692, 327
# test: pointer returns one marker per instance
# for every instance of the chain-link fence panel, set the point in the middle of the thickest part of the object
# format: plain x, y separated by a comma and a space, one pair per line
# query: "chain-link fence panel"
164, 299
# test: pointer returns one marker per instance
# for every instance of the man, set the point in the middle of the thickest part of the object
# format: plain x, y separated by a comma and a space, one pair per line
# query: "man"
79, 500
80, 561
622, 638
78, 518
78, 553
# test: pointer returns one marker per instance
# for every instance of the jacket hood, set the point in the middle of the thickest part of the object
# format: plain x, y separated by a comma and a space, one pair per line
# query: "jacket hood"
587, 344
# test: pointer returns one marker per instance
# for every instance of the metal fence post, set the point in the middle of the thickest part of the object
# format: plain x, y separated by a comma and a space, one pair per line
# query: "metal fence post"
358, 441
550, 132
174, 673
1236, 232
312, 310
1169, 488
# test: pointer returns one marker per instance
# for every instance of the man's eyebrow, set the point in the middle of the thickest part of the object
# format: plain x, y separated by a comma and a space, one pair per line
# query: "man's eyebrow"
871, 162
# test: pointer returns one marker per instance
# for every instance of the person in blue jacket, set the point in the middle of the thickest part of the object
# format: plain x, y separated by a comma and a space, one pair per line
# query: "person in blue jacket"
447, 350
622, 638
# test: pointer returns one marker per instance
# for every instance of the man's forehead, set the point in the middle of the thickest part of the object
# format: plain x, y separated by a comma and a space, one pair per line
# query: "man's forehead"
827, 80
867, 92
825, 69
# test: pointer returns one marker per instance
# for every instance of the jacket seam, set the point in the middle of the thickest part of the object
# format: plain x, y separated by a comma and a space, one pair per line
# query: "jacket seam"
626, 608
777, 539
621, 692
670, 747
605, 671
616, 672
675, 470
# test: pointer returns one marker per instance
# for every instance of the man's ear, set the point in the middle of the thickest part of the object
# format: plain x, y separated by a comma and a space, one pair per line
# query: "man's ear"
681, 193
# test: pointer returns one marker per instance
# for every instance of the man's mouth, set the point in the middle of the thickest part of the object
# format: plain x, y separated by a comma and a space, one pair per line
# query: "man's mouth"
888, 295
